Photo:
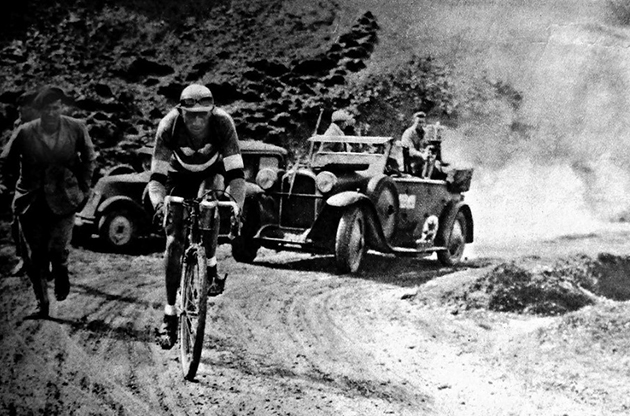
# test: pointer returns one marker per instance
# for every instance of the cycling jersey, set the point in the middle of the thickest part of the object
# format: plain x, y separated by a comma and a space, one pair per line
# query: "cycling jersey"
176, 150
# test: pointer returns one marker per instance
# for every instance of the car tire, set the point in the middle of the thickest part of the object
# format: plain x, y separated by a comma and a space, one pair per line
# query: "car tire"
454, 238
244, 250
118, 229
79, 236
350, 242
385, 199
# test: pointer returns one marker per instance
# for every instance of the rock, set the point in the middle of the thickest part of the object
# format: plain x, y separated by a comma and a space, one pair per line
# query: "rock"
142, 67
156, 113
252, 96
355, 65
357, 52
269, 68
253, 75
281, 119
103, 90
200, 69
103, 133
224, 92
332, 80
171, 91
316, 66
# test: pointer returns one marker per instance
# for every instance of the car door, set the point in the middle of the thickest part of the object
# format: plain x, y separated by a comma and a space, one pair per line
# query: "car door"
421, 203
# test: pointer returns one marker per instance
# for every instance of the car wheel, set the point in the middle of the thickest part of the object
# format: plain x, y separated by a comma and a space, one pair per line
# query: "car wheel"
244, 250
455, 241
80, 236
350, 245
385, 198
118, 229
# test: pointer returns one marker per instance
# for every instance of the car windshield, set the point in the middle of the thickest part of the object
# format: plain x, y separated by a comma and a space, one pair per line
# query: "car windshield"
359, 153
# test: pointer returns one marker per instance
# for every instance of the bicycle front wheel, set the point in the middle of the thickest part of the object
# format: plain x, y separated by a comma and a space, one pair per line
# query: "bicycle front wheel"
193, 306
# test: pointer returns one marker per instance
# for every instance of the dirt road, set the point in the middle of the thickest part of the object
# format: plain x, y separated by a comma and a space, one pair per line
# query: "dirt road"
290, 337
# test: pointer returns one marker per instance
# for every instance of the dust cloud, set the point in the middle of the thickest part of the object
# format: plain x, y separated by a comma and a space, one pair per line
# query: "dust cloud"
560, 163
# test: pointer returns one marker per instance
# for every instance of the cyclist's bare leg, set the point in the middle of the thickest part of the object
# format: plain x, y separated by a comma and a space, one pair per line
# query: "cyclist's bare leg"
175, 235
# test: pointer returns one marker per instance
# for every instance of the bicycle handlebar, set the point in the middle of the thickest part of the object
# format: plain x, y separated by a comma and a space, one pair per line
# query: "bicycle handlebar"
206, 203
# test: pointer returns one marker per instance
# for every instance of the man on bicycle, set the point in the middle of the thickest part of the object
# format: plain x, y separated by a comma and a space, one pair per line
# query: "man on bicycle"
196, 149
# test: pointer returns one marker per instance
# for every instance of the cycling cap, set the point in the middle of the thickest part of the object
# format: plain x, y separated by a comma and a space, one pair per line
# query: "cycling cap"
341, 115
196, 97
420, 114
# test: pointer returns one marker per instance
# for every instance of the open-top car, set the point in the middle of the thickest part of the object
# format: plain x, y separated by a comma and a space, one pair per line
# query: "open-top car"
119, 210
353, 194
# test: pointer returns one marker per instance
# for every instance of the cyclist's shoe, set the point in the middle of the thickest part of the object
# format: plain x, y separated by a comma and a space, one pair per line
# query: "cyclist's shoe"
166, 337
217, 286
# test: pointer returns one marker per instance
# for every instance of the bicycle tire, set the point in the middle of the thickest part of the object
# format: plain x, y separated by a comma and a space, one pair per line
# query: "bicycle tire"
193, 308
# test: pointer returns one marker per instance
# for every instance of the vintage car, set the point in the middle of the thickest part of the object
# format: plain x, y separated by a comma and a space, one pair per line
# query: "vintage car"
364, 197
119, 210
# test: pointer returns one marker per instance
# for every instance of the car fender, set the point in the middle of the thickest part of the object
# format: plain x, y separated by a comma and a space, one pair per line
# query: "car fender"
334, 209
117, 201
374, 182
448, 217
346, 198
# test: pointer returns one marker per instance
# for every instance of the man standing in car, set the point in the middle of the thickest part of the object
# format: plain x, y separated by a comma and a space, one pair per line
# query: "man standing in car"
55, 159
414, 141
340, 122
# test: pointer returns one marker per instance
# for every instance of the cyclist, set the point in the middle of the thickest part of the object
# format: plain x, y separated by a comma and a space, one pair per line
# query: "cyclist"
196, 149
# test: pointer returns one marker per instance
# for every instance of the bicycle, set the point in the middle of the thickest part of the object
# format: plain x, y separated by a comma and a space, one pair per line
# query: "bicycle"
192, 295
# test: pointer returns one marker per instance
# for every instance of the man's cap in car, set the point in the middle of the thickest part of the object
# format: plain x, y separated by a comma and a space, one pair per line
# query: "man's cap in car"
341, 115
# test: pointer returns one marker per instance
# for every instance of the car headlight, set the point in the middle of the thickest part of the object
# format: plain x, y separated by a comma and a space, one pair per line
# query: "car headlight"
325, 182
266, 178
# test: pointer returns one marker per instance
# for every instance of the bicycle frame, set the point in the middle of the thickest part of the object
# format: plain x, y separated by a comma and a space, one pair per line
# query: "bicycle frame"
198, 216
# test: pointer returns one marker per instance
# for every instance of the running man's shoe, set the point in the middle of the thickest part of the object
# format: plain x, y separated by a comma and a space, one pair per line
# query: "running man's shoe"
166, 337
62, 286
41, 312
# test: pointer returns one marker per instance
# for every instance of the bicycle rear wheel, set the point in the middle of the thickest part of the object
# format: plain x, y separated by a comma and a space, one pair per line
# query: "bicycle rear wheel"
193, 306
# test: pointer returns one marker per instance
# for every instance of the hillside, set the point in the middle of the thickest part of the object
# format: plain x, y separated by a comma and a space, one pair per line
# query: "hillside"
534, 321
534, 93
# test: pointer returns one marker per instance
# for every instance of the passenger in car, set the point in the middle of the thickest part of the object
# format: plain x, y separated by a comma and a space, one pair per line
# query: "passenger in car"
341, 121
415, 144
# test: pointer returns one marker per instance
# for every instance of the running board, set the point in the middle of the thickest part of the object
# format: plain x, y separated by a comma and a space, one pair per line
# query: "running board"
414, 251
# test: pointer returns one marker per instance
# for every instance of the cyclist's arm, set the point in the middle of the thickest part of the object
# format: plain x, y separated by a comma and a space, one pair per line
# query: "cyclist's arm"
236, 187
232, 159
160, 162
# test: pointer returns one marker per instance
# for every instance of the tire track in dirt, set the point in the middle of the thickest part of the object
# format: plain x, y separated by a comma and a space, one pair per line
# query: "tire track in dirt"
285, 326
288, 337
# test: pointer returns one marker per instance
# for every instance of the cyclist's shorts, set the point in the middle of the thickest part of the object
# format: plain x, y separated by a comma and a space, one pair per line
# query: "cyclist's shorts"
187, 184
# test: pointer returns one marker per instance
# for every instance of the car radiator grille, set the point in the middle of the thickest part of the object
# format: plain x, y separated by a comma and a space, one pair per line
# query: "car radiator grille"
299, 207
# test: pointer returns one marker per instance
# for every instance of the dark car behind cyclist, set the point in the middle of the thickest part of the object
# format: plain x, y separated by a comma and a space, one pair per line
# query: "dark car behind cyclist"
196, 149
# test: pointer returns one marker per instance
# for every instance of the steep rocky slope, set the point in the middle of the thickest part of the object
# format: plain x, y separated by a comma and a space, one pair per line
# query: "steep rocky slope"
276, 66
